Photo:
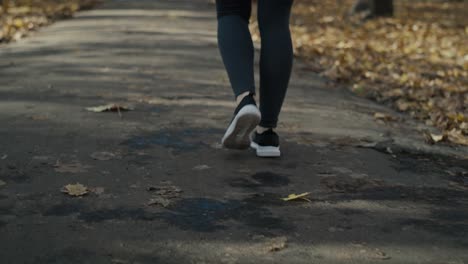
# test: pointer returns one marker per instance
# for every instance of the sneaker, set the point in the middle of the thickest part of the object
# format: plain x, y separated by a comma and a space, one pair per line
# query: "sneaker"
246, 118
266, 144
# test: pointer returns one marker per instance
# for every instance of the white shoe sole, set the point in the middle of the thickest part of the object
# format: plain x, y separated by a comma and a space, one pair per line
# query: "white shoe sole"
266, 151
237, 135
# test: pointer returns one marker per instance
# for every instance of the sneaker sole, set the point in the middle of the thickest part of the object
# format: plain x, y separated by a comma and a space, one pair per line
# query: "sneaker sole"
237, 135
266, 151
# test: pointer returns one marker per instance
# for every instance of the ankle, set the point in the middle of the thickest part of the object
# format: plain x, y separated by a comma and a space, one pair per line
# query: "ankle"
241, 96
261, 129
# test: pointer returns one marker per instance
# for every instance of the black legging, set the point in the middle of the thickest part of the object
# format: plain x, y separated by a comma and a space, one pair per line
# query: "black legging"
276, 57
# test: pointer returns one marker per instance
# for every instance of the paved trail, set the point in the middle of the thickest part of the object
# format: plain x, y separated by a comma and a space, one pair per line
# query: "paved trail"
378, 192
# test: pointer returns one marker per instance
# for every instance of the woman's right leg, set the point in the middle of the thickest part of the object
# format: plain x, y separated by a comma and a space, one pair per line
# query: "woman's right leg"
236, 47
235, 44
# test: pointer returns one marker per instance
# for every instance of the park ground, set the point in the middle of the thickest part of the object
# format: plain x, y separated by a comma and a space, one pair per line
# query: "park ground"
159, 189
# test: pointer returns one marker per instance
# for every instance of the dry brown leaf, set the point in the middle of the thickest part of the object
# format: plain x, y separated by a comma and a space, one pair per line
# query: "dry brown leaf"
437, 138
164, 193
384, 117
293, 197
276, 244
167, 191
164, 202
457, 136
76, 189
434, 138
109, 108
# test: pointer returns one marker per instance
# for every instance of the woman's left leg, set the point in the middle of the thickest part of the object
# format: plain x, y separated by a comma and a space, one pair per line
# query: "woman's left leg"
275, 70
276, 57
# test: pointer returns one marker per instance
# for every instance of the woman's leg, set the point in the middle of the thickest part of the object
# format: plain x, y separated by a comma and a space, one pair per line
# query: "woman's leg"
235, 44
276, 57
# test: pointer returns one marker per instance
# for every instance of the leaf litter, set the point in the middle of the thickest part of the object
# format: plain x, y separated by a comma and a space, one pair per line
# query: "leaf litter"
164, 194
24, 16
416, 62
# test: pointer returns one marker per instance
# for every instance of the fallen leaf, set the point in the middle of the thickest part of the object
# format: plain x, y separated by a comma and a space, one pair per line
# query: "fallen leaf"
294, 196
104, 155
276, 244
164, 202
164, 193
457, 136
109, 108
434, 138
437, 138
384, 117
77, 189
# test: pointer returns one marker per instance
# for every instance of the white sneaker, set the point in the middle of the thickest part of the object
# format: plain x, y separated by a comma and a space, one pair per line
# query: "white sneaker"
266, 144
245, 120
